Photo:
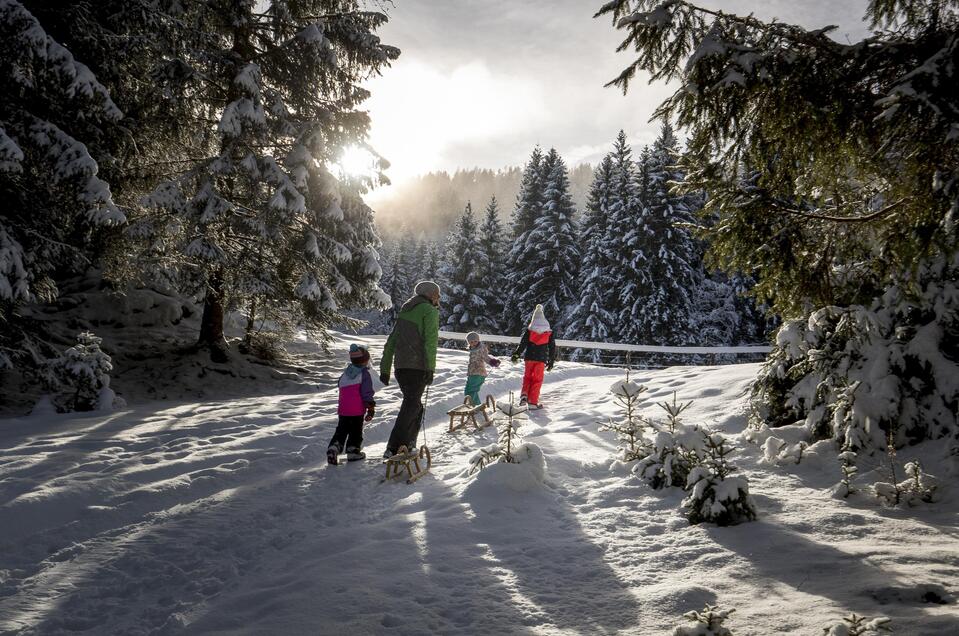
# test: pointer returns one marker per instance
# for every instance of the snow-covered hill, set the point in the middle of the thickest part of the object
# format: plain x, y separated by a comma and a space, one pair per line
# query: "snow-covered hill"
223, 517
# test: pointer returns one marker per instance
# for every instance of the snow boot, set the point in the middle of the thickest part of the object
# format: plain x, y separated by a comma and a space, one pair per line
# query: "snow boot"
388, 453
535, 407
522, 400
331, 456
354, 455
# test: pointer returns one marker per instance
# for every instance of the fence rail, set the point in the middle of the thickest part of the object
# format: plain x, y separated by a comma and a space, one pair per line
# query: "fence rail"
611, 346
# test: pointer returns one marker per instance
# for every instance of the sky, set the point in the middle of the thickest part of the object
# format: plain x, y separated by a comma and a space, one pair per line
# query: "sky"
480, 82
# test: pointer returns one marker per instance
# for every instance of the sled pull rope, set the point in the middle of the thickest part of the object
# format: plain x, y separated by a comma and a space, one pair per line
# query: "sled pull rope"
426, 401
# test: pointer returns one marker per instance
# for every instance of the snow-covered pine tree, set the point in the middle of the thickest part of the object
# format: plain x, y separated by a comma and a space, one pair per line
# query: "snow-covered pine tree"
625, 211
492, 279
529, 204
551, 256
662, 256
592, 319
463, 305
261, 215
850, 217
53, 200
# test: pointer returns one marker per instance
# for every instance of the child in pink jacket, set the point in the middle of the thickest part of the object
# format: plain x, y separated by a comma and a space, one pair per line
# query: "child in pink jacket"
356, 400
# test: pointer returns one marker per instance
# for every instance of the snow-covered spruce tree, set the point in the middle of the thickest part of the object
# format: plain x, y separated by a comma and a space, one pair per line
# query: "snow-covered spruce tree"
463, 306
53, 200
706, 622
492, 267
630, 427
508, 449
82, 376
529, 206
849, 217
715, 495
259, 214
550, 265
625, 210
662, 261
675, 450
594, 317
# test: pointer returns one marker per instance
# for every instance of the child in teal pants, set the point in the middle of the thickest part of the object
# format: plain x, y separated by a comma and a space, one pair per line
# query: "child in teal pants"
476, 373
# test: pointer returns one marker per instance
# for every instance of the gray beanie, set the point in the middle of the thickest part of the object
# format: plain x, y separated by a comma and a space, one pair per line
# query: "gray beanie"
472, 337
427, 288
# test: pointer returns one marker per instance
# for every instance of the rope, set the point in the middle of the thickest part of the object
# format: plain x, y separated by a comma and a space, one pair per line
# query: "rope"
426, 401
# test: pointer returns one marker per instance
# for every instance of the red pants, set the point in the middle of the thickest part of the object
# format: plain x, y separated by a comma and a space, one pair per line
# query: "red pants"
533, 380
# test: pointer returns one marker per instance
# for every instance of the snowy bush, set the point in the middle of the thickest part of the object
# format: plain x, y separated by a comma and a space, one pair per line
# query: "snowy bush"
715, 496
777, 451
854, 625
854, 373
82, 373
918, 487
630, 429
508, 449
675, 450
707, 622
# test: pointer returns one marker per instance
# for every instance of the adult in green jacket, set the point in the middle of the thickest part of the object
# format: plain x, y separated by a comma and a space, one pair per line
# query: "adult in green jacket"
411, 350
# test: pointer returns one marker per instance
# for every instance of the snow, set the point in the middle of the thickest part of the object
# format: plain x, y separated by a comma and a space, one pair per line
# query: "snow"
215, 515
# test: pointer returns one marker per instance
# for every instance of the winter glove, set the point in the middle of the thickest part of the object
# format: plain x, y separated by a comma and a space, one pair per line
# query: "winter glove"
549, 367
494, 363
385, 378
429, 377
370, 411
515, 358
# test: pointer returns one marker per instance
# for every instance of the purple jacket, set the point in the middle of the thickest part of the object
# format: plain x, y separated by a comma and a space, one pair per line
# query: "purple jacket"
356, 390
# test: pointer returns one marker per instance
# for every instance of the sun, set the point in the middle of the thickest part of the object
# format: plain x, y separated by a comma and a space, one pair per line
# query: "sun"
357, 162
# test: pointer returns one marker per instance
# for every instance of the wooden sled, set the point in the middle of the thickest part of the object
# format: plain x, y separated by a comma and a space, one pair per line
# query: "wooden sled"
411, 464
466, 413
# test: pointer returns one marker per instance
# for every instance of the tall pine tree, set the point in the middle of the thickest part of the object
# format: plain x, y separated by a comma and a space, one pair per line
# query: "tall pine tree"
529, 205
260, 216
592, 319
492, 269
464, 307
662, 255
551, 253
53, 201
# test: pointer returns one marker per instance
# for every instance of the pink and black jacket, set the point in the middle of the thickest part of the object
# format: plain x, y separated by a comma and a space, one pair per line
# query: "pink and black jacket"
356, 390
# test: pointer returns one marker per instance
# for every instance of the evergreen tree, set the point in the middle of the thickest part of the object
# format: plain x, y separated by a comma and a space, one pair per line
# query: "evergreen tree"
464, 307
662, 256
592, 319
528, 208
260, 216
551, 254
53, 200
492, 266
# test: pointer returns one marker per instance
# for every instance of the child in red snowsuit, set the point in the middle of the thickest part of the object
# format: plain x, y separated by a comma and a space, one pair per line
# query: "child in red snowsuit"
539, 347
356, 404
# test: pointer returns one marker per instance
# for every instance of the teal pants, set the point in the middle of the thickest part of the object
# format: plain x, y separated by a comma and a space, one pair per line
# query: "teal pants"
473, 384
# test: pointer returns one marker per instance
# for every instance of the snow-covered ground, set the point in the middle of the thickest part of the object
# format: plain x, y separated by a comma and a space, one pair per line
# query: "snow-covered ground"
223, 517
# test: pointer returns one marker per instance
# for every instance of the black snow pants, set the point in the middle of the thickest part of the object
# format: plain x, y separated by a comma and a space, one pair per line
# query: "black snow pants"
349, 431
407, 427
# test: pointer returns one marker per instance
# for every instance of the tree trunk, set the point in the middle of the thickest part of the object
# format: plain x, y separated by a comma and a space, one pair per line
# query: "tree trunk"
211, 324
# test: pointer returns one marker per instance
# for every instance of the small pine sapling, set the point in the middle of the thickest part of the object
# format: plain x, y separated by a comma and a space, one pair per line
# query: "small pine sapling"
672, 455
847, 464
707, 622
715, 495
504, 450
83, 373
631, 428
855, 625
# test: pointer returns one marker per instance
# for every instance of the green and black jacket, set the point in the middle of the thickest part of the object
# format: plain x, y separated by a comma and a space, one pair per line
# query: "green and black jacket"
413, 340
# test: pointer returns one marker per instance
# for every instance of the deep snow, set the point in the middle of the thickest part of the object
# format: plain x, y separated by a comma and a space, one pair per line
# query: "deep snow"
223, 517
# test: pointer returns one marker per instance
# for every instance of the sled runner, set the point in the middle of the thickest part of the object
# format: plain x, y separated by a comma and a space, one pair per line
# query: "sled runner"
411, 464
466, 413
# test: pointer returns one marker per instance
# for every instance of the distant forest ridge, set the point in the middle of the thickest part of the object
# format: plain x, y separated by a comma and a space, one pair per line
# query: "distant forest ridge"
430, 204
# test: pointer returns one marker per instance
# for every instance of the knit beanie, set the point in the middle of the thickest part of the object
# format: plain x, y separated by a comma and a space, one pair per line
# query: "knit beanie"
538, 322
359, 355
427, 288
472, 337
